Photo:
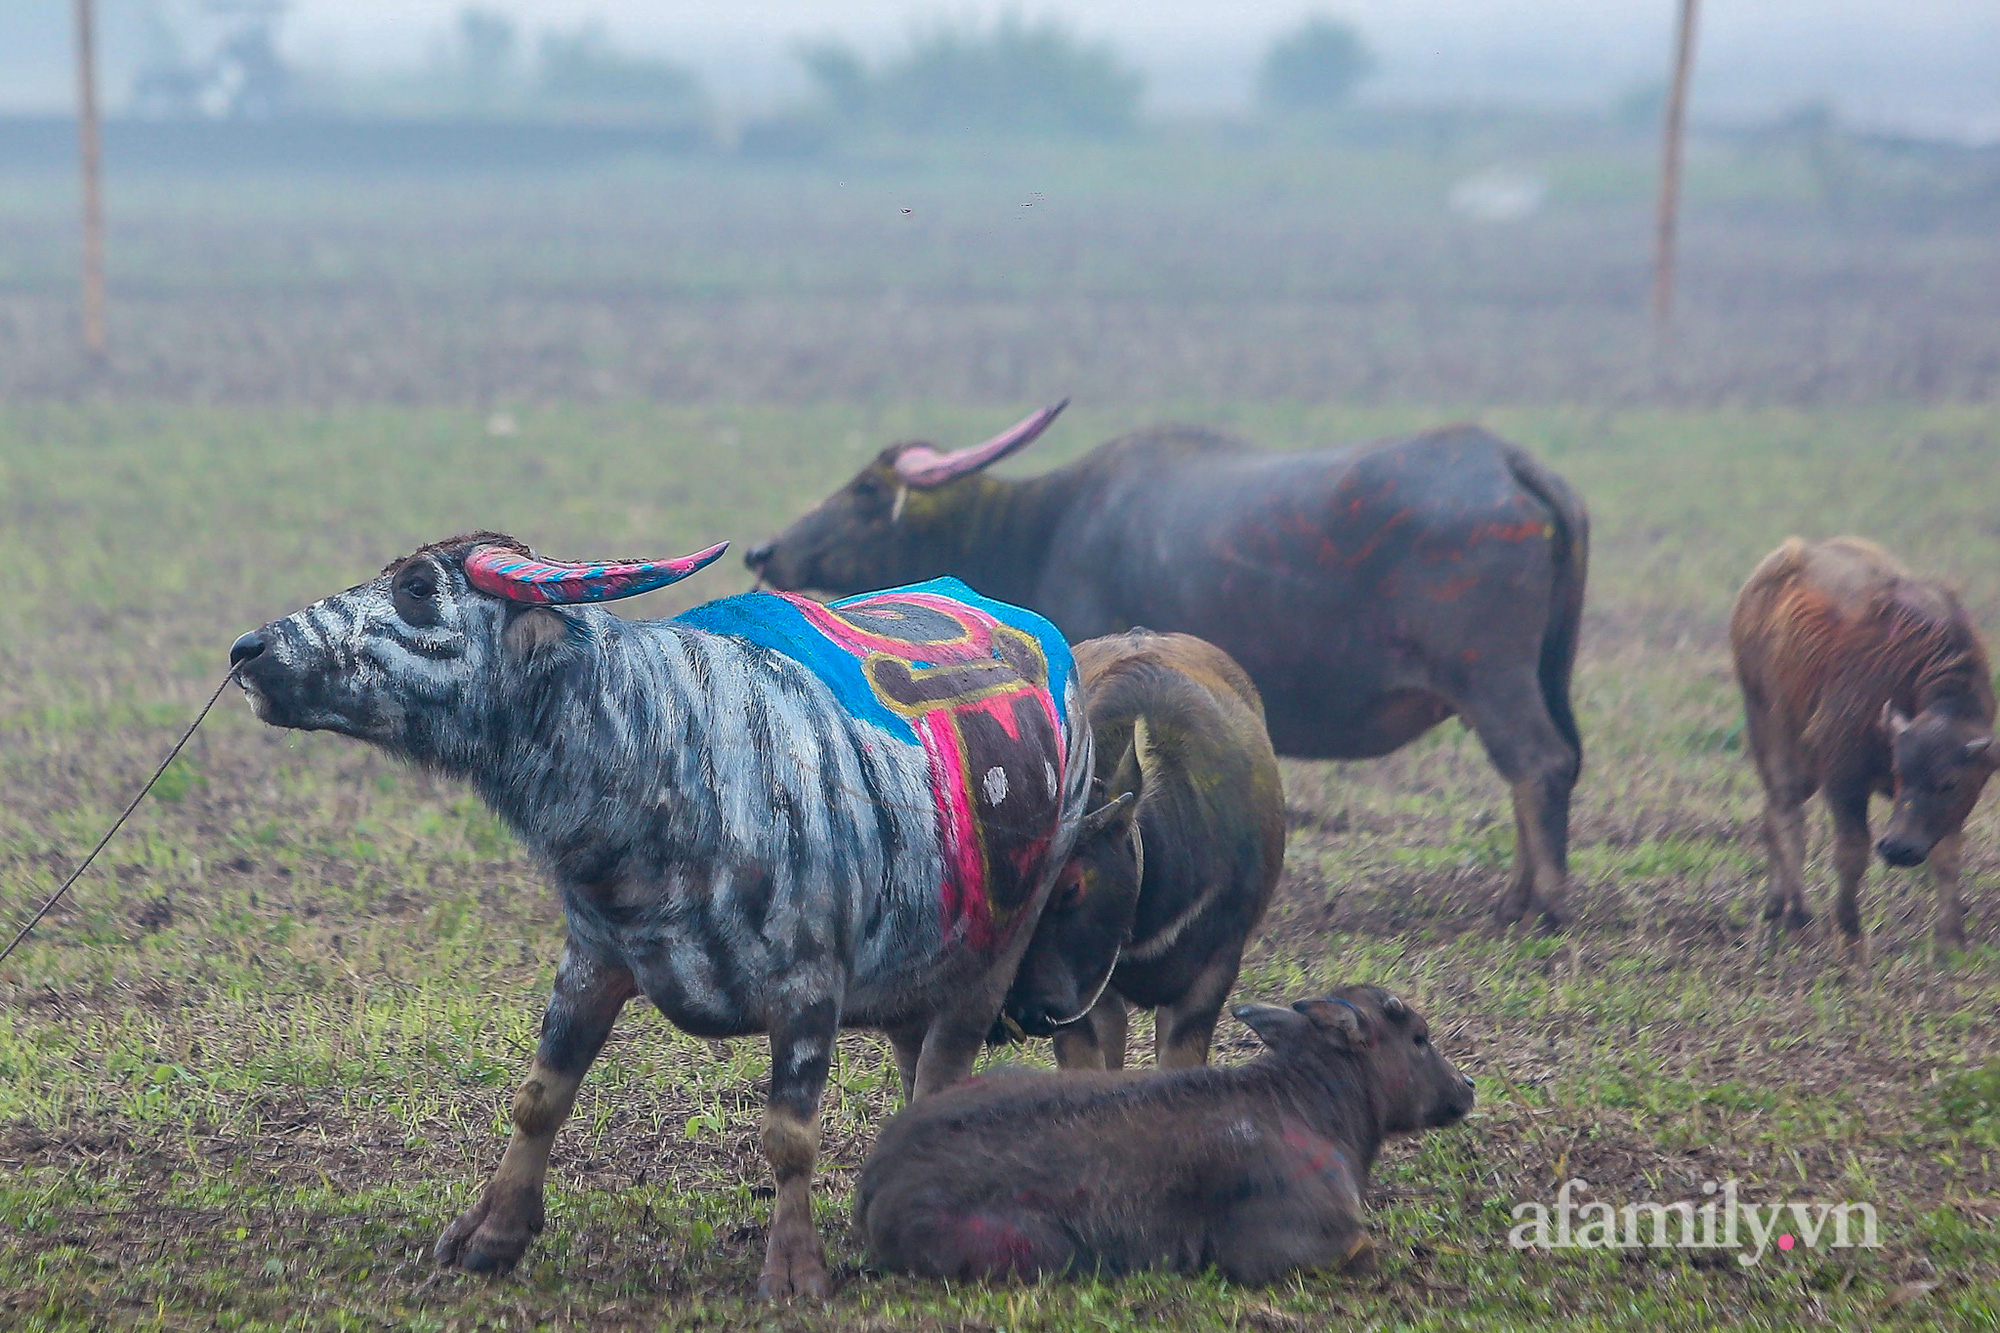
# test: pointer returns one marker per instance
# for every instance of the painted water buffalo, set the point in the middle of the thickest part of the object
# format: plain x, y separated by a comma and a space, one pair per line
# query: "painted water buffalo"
1370, 593
1860, 678
767, 815
1176, 883
1257, 1169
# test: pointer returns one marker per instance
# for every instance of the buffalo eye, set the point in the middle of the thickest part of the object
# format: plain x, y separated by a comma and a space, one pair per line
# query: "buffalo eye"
415, 595
1422, 1039
1069, 891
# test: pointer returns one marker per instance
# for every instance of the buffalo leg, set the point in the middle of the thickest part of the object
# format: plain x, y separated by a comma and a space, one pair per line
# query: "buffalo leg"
1097, 1040
1785, 844
1948, 930
1306, 1228
801, 1051
493, 1234
1848, 804
1512, 721
1520, 892
958, 1031
1787, 786
1183, 1030
908, 1043
955, 1038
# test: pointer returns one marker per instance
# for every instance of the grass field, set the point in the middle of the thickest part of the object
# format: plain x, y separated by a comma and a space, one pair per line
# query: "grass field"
265, 1052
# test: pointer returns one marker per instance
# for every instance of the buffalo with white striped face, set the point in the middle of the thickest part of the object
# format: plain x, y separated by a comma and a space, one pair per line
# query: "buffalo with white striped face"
385, 661
767, 815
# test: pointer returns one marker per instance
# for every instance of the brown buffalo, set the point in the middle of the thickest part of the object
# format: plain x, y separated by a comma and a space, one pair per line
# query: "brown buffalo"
1370, 593
1258, 1169
1171, 891
1859, 678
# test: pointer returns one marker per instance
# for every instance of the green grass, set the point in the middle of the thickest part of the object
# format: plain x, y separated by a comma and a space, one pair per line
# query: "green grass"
265, 1052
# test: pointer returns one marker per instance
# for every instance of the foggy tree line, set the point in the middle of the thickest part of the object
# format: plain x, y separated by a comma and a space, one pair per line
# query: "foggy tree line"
1014, 75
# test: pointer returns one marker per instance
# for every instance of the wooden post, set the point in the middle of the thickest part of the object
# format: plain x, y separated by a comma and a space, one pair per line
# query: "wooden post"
1670, 165
91, 146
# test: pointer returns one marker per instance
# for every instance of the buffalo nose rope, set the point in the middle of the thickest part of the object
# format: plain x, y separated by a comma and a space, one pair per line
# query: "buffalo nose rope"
118, 823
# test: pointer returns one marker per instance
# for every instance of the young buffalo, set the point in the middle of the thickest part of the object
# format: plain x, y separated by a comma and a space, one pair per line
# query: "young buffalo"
1171, 886
1859, 678
1257, 1169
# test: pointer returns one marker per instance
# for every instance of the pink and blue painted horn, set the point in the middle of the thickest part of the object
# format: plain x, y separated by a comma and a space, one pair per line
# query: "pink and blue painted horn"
520, 577
923, 467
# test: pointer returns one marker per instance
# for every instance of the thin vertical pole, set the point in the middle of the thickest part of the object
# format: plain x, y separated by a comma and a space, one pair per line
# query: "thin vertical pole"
91, 146
1670, 165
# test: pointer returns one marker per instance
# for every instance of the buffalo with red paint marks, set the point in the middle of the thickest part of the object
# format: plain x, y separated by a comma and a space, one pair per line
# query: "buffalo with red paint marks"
1370, 594
1258, 1169
1862, 679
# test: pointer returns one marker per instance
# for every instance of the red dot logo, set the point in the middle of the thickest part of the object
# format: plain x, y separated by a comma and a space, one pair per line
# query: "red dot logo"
1786, 1242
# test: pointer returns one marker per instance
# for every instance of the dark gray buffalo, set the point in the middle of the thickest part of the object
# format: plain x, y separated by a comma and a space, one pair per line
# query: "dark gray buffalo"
1370, 593
767, 815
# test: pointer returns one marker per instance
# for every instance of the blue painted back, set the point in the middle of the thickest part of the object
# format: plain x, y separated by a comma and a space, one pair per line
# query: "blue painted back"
777, 621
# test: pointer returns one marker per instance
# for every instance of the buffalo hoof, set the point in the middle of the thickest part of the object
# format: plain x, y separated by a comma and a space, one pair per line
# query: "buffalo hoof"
794, 1267
487, 1239
1854, 950
1549, 919
1780, 920
1787, 917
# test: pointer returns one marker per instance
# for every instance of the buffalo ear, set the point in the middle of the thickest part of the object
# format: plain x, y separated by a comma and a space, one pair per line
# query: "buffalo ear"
1894, 723
1113, 812
1136, 768
1276, 1026
534, 631
1337, 1021
1126, 788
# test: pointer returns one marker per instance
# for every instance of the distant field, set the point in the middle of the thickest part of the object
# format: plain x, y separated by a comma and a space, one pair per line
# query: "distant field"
266, 1052
1204, 265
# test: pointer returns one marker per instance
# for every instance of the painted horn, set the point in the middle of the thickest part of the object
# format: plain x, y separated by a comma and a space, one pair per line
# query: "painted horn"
923, 467
520, 577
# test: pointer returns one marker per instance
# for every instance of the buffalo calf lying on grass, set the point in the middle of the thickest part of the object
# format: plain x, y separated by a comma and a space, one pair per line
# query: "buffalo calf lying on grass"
1170, 886
1859, 678
1257, 1169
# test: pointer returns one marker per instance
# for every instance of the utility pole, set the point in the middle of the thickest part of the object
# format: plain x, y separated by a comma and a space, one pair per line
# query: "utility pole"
1670, 165
91, 154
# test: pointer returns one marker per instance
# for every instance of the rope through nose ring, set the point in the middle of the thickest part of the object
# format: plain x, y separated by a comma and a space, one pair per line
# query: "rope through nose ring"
119, 823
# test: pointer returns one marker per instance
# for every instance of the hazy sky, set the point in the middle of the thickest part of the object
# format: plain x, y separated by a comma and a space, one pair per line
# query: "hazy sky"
1922, 63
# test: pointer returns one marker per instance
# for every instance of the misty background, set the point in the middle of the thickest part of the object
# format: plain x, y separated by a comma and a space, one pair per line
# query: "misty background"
1917, 67
1179, 207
